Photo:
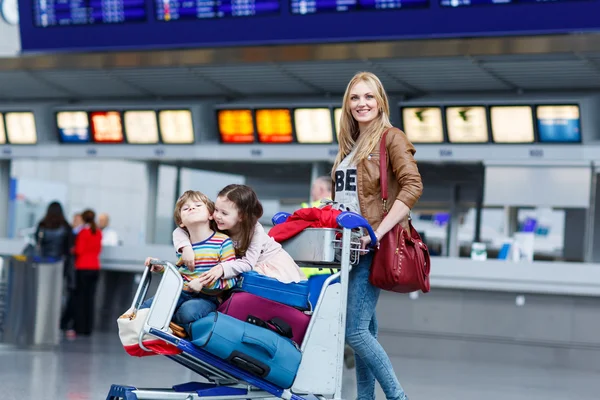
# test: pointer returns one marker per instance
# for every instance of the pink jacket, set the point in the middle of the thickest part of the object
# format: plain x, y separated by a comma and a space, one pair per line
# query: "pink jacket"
261, 248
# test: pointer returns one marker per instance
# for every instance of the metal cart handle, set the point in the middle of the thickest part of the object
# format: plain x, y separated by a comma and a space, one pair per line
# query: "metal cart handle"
350, 220
142, 289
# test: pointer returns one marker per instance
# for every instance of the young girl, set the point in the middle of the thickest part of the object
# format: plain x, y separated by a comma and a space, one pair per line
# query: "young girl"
237, 211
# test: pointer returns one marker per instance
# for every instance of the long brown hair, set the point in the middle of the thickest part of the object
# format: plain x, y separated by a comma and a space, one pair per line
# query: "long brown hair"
89, 217
350, 136
54, 218
250, 210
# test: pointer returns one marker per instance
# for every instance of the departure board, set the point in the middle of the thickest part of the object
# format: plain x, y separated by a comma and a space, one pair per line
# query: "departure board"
317, 6
174, 10
87, 12
463, 3
559, 123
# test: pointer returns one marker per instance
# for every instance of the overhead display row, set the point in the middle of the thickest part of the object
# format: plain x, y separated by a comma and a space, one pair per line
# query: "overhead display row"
71, 25
451, 124
542, 123
133, 126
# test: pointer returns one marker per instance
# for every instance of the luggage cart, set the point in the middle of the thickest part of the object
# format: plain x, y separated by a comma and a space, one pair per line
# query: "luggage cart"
320, 371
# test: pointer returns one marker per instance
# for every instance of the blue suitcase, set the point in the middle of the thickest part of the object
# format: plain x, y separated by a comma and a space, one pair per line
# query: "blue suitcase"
291, 294
257, 350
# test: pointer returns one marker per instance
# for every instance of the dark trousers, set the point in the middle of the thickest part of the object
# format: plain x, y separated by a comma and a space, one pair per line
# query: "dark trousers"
85, 294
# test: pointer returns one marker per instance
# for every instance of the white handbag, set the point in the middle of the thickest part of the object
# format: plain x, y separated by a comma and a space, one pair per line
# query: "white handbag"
130, 327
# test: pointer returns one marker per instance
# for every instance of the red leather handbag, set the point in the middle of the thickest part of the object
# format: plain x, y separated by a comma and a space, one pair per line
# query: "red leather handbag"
401, 263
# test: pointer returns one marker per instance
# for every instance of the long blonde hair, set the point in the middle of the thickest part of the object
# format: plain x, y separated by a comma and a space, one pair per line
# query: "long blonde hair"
350, 136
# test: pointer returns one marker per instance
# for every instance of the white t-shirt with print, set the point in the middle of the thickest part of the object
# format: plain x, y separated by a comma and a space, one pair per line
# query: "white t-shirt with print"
346, 185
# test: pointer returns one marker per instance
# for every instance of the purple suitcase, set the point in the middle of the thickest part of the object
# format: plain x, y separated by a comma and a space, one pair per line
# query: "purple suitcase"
250, 307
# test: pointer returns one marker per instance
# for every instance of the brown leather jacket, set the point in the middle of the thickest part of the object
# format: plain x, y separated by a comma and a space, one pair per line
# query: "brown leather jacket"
404, 180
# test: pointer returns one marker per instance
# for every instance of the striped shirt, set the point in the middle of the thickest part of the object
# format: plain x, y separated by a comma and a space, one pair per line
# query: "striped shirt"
216, 249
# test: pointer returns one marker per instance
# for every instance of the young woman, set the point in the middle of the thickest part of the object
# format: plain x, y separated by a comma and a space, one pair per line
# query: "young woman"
237, 211
364, 120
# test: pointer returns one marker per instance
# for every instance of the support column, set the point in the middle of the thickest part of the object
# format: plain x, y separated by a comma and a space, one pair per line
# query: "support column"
4, 197
177, 188
590, 220
151, 209
452, 242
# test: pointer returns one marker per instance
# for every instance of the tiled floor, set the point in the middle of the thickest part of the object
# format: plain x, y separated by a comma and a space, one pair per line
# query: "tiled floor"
85, 369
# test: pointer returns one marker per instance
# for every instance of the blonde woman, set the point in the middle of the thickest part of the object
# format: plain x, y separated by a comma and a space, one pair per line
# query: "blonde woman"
364, 120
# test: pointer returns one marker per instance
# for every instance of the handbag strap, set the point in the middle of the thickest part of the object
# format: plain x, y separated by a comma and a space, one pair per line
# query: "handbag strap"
383, 170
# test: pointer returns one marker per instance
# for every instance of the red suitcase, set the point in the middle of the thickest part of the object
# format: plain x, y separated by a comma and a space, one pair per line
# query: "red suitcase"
252, 308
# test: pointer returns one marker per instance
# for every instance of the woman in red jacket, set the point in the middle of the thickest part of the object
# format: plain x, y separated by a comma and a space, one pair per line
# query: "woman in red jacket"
88, 245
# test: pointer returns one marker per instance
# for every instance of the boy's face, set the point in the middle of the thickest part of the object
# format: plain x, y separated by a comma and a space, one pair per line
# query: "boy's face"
194, 212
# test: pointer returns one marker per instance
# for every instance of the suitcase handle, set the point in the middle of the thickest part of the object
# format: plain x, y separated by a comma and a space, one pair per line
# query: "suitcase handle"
268, 348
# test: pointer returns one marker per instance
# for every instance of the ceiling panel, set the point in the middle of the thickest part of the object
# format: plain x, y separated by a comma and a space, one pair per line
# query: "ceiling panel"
443, 74
93, 83
170, 81
400, 76
23, 85
255, 79
333, 77
548, 74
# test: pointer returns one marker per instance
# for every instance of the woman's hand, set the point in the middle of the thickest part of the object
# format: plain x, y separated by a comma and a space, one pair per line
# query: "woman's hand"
154, 268
366, 240
188, 258
212, 275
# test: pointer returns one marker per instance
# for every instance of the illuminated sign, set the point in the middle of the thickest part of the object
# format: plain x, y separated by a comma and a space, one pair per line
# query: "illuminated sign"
337, 116
107, 126
274, 126
558, 124
467, 124
512, 124
236, 126
313, 125
20, 128
176, 126
141, 127
423, 124
73, 126
2, 131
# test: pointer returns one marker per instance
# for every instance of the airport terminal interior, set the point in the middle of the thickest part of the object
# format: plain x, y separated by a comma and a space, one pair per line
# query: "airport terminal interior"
120, 106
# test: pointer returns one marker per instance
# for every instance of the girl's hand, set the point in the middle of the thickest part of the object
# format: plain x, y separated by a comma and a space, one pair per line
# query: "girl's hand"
195, 285
154, 268
212, 275
188, 258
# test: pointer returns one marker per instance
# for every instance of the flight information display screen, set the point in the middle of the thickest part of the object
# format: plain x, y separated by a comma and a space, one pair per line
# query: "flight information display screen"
20, 128
317, 6
87, 12
559, 123
112, 25
73, 126
462, 3
174, 10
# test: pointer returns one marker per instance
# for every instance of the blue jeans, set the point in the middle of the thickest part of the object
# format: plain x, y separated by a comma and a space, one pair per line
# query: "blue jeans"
372, 362
190, 307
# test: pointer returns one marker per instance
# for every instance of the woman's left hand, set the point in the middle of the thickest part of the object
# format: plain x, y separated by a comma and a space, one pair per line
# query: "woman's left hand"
211, 276
366, 240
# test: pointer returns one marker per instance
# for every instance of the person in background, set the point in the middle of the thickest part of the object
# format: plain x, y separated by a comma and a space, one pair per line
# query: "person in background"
77, 223
88, 245
363, 124
54, 234
320, 190
110, 237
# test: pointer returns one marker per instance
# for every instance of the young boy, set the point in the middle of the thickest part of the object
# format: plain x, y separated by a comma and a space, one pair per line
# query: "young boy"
193, 212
